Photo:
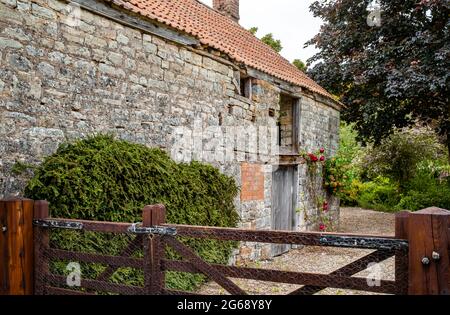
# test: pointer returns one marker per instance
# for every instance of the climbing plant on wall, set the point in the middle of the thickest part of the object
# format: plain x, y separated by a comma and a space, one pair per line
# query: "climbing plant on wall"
322, 182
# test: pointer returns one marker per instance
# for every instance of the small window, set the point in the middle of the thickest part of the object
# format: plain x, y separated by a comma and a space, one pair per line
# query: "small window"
288, 127
246, 87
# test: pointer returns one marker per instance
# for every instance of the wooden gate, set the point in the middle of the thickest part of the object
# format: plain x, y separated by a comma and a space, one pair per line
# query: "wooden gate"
125, 258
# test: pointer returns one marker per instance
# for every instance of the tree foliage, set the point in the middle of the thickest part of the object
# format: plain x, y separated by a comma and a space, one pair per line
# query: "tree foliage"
398, 157
300, 65
253, 30
391, 74
272, 42
278, 47
268, 39
407, 171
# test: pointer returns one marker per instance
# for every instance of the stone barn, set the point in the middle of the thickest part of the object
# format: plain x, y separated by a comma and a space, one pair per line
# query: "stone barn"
174, 74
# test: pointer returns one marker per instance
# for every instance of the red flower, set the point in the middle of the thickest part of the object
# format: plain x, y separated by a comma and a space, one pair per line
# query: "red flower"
313, 157
322, 158
322, 150
322, 227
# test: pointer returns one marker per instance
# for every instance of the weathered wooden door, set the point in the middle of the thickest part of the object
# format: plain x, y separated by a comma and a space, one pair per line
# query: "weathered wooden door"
283, 203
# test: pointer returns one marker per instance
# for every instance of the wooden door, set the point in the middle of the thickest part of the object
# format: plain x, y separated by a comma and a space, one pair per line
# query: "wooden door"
283, 203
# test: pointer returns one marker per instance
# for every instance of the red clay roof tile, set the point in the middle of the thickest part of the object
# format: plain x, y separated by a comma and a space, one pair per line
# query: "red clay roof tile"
222, 33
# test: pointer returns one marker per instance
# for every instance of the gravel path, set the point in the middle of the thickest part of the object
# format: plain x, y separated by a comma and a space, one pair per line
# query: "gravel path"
361, 221
322, 260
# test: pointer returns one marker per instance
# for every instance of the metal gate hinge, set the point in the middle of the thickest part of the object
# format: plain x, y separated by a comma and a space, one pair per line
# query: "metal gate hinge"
137, 228
54, 224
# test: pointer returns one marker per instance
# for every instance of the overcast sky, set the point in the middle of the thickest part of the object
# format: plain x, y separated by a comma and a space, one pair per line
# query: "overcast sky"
289, 20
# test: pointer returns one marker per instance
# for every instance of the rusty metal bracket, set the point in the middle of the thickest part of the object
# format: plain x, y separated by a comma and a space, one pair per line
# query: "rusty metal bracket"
363, 242
55, 224
137, 228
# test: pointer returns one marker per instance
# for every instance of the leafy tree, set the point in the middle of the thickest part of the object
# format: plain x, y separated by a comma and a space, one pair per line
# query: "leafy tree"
277, 46
253, 30
389, 74
272, 42
268, 39
300, 65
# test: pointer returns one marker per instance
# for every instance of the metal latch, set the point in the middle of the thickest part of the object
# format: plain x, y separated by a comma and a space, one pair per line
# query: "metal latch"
54, 224
137, 228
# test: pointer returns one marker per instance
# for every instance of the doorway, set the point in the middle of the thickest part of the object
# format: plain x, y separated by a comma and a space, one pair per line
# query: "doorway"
284, 200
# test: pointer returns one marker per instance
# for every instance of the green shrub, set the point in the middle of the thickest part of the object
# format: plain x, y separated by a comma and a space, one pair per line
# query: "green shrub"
380, 194
417, 200
413, 166
399, 155
351, 192
425, 190
100, 178
349, 151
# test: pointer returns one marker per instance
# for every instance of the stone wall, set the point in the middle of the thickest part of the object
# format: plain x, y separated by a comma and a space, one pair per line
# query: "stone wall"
319, 128
61, 81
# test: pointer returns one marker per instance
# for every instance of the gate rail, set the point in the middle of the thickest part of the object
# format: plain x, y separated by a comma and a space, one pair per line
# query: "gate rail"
385, 247
420, 246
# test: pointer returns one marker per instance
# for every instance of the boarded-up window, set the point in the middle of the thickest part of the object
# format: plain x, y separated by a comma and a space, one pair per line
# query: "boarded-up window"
252, 178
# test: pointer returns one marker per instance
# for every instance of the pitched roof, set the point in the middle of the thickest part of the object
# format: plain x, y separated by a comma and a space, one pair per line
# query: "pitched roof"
222, 33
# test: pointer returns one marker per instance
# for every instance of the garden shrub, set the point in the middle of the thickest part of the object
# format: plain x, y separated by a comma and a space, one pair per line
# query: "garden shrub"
407, 171
399, 155
431, 197
104, 179
349, 150
351, 192
425, 190
380, 194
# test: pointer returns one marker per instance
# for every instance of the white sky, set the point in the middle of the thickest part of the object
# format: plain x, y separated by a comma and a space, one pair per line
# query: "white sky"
288, 20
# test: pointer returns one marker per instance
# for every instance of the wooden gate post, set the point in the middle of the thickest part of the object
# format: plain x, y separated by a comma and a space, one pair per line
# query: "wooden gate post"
16, 246
154, 250
428, 234
401, 257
